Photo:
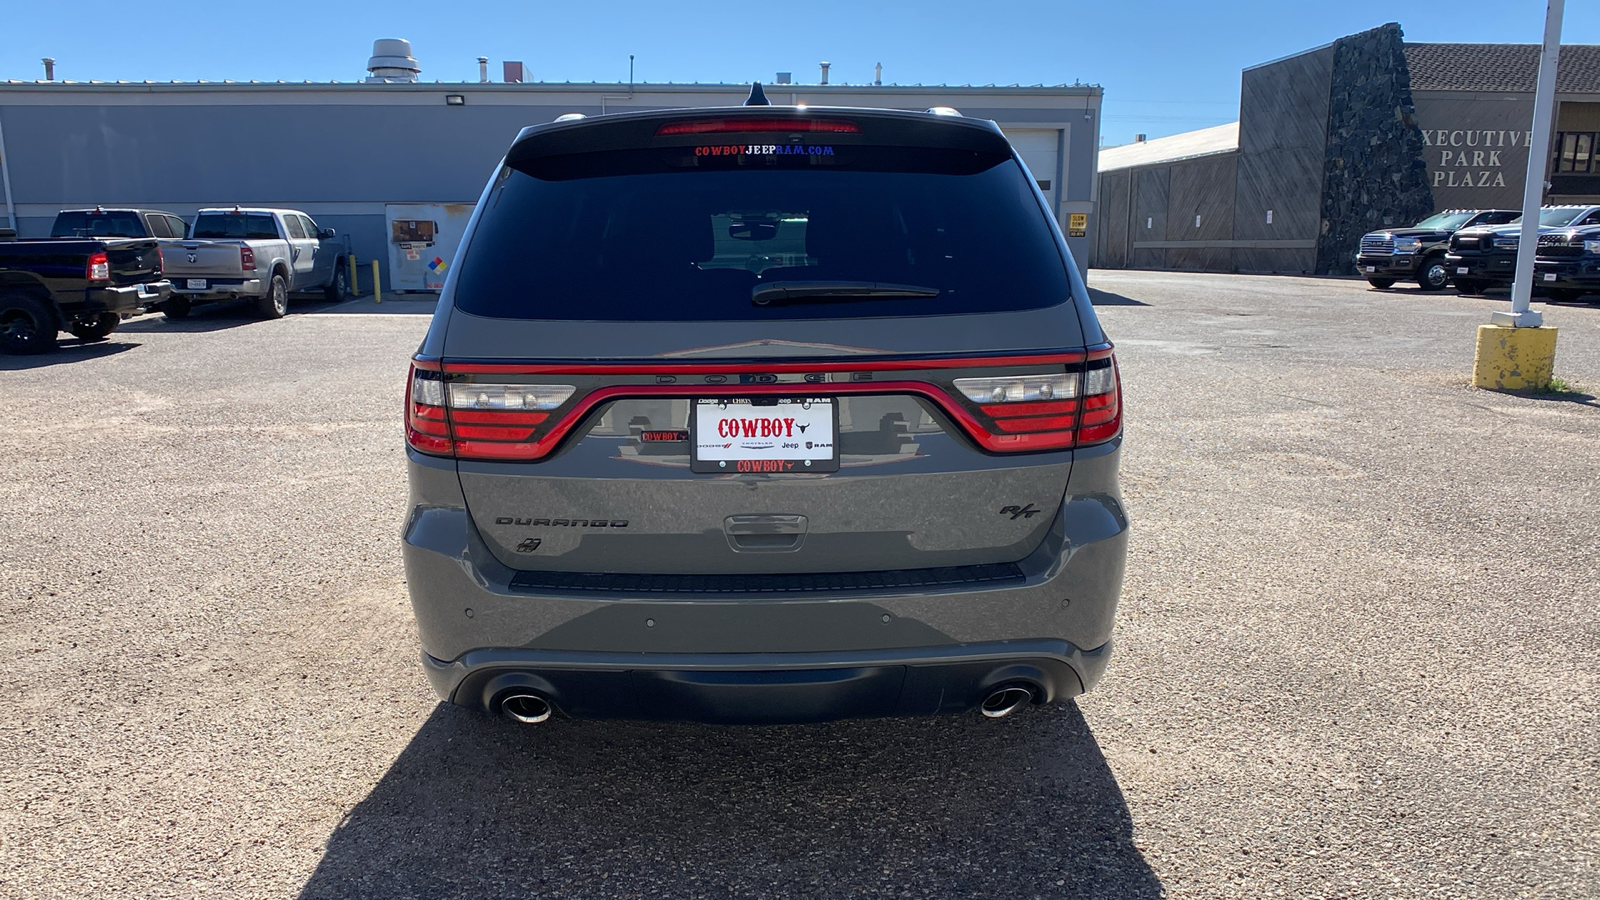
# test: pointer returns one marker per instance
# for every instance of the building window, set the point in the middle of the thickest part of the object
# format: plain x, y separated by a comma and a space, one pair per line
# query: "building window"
1575, 152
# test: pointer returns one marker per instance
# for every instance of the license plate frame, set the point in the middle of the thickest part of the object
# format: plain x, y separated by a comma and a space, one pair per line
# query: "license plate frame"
750, 460
1462, 270
194, 284
1549, 276
1371, 269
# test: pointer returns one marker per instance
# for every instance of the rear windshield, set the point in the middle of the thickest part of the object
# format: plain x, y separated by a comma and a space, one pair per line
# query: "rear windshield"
690, 233
98, 224
234, 227
1446, 221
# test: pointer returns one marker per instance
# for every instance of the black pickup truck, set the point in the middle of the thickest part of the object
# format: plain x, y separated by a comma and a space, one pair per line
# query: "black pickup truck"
84, 286
1568, 264
1483, 258
1417, 253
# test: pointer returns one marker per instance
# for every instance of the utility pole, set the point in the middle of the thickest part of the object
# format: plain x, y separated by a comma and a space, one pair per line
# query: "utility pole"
1544, 101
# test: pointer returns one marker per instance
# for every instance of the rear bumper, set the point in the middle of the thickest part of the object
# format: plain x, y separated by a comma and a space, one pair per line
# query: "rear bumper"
123, 299
756, 688
219, 288
666, 650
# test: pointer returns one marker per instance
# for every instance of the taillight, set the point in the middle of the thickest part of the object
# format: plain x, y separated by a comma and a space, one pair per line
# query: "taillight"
485, 411
247, 258
426, 427
1049, 411
99, 268
479, 420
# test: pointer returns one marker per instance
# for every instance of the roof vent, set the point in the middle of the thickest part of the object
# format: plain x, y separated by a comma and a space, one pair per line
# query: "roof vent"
825, 66
1138, 139
784, 78
392, 61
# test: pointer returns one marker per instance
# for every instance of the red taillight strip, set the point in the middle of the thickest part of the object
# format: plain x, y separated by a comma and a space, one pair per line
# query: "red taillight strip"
833, 364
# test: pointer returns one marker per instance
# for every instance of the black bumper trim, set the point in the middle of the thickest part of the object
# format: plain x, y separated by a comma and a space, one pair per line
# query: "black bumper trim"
768, 688
610, 584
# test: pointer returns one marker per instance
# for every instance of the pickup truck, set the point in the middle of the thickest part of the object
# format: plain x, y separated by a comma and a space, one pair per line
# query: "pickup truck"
1568, 264
81, 285
255, 254
1482, 258
119, 222
1417, 253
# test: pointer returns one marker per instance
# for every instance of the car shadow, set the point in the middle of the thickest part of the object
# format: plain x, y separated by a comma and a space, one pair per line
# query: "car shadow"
1098, 297
393, 304
69, 350
479, 807
218, 316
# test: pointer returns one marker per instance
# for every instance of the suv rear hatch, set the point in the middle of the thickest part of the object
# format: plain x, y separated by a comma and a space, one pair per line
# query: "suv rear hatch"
763, 341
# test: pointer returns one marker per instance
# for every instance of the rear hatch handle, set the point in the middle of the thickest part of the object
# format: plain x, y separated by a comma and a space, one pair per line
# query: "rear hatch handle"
766, 533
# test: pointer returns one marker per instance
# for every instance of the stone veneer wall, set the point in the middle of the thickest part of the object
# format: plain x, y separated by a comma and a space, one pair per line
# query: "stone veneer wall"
1374, 174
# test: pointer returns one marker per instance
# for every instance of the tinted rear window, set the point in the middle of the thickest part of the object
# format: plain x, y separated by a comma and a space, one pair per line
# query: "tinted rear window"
234, 227
90, 224
685, 233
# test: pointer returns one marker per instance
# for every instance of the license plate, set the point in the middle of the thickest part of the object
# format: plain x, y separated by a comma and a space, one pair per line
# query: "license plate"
1462, 270
756, 435
1549, 276
1372, 268
195, 284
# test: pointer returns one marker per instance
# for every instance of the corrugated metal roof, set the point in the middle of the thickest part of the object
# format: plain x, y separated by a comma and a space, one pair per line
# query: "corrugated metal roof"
1190, 144
1511, 68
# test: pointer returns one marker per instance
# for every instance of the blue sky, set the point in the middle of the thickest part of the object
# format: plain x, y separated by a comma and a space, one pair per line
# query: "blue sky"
1166, 66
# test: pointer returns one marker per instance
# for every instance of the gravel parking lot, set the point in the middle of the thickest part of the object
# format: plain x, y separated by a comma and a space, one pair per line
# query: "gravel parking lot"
1358, 654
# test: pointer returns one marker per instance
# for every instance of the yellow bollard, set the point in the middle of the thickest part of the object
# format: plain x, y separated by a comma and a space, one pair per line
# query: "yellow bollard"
355, 289
1514, 359
377, 286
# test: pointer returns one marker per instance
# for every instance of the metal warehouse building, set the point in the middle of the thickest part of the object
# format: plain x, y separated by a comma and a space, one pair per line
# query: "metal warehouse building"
1332, 143
397, 163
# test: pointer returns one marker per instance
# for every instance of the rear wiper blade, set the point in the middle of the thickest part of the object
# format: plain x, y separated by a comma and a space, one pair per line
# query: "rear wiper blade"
779, 293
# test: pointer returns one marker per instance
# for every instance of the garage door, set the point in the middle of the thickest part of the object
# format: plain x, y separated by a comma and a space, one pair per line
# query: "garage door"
1037, 147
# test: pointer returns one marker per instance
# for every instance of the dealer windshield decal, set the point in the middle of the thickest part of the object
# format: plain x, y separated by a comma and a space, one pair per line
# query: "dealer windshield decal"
763, 150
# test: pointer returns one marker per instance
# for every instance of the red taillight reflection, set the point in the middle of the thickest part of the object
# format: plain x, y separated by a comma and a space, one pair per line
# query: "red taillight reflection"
755, 126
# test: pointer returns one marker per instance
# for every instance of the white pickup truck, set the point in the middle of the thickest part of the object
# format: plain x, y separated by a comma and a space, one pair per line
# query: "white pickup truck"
259, 254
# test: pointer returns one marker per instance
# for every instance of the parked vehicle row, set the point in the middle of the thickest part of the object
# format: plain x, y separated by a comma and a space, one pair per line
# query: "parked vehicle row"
1476, 251
100, 265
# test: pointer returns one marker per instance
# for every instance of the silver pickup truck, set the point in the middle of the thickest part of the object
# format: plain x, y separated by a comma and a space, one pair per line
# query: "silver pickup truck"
259, 254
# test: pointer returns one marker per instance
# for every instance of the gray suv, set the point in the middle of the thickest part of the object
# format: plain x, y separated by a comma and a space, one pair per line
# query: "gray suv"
763, 414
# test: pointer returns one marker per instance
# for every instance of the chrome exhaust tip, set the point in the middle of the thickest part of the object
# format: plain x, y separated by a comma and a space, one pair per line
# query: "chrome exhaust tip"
1004, 701
529, 709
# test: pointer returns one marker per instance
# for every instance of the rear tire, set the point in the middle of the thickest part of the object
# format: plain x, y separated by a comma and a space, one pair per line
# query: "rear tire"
339, 286
1434, 275
96, 329
275, 305
1469, 286
1381, 283
1564, 295
27, 324
176, 307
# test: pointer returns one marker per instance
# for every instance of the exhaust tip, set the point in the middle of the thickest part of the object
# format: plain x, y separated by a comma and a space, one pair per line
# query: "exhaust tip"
1003, 701
529, 709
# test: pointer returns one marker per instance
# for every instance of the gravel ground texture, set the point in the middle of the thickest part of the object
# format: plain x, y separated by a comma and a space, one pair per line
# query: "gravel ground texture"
1358, 653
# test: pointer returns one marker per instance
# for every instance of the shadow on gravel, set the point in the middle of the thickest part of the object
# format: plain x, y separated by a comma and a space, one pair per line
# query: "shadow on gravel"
481, 807
70, 350
217, 317
402, 304
1098, 297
